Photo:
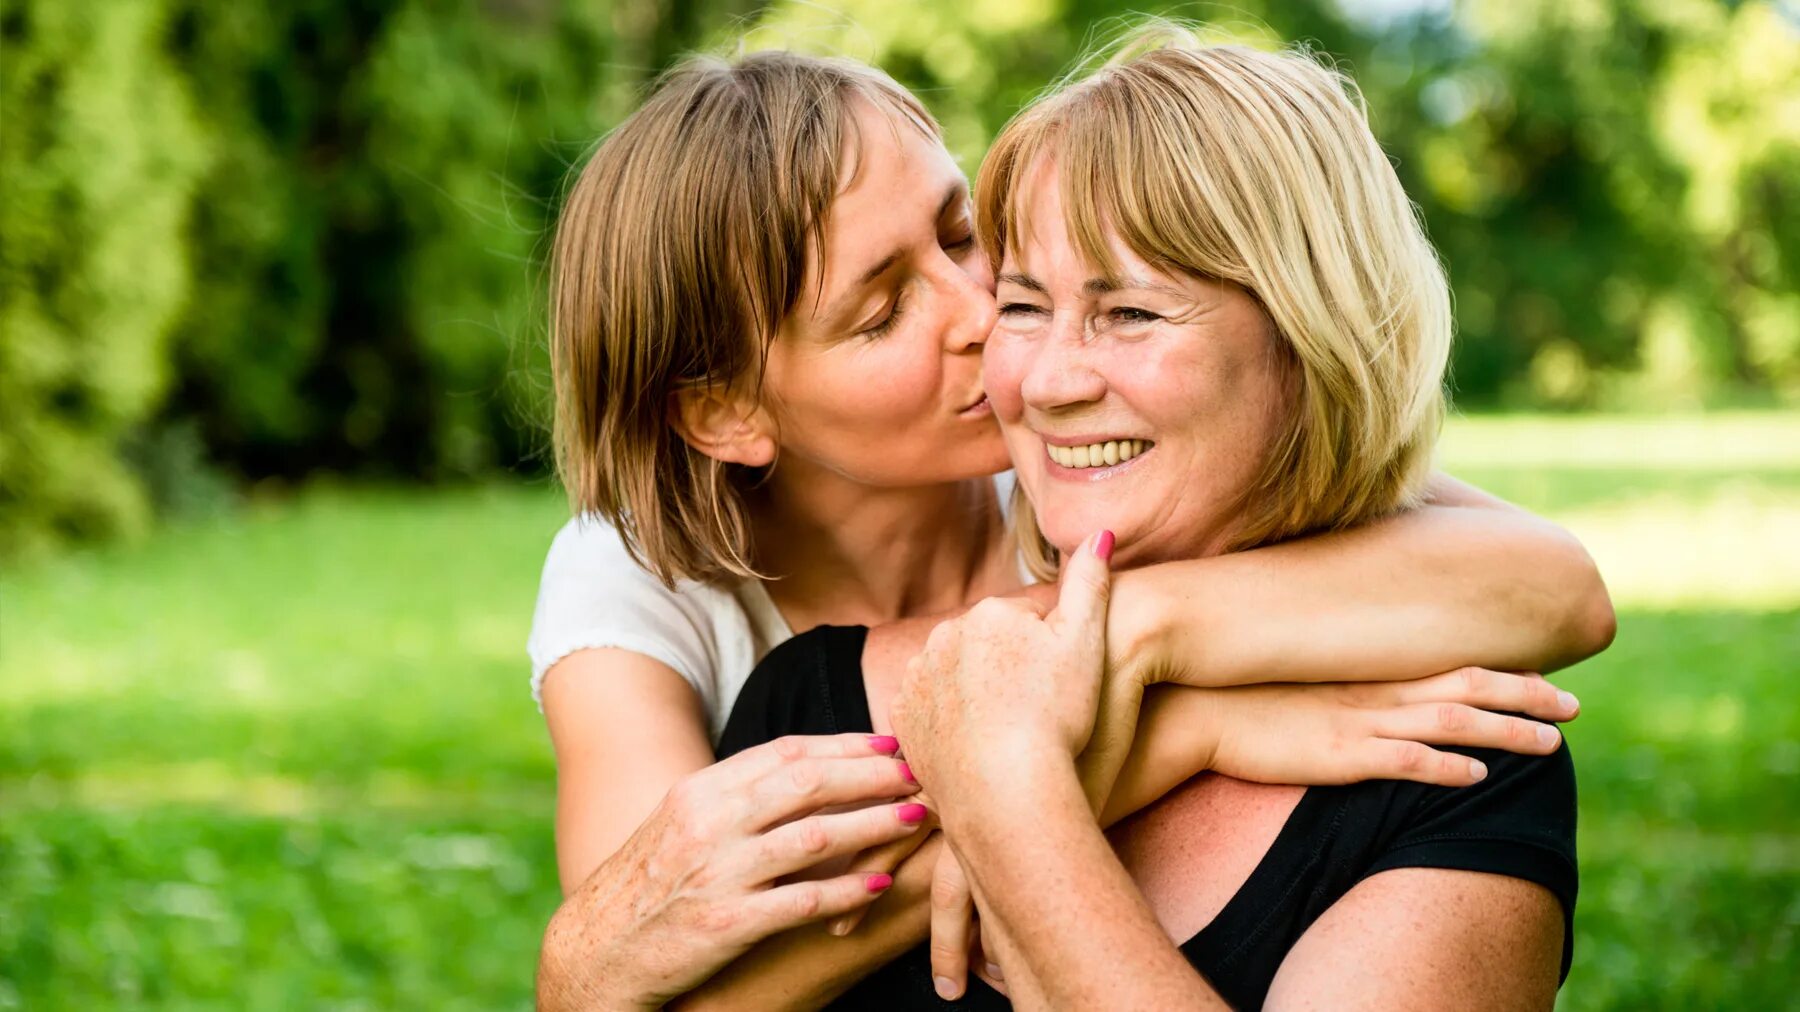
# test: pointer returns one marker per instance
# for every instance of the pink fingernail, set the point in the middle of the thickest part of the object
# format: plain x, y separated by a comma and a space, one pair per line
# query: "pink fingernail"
911, 813
884, 743
878, 881
906, 771
1103, 546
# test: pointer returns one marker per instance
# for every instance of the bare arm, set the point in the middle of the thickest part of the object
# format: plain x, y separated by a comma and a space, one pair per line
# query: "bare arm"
1465, 580
1075, 920
625, 728
1428, 938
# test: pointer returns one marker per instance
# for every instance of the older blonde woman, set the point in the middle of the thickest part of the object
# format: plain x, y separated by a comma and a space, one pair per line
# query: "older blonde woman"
1206, 254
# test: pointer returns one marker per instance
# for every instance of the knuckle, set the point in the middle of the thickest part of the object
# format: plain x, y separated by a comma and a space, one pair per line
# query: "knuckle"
1453, 717
788, 747
682, 803
947, 894
990, 609
717, 919
805, 779
811, 837
807, 902
1411, 756
945, 953
1520, 732
1473, 679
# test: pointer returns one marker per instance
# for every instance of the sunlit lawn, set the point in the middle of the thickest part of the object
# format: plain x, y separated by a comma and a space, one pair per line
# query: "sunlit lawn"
289, 760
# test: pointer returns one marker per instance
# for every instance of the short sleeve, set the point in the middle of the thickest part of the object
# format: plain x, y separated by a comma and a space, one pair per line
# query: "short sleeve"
593, 594
1519, 821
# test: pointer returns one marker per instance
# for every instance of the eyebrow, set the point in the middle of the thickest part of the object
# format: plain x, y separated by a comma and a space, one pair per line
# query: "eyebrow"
1106, 286
841, 305
1024, 281
1093, 286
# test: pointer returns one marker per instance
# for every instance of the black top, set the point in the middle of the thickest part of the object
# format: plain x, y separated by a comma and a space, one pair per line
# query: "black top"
1519, 821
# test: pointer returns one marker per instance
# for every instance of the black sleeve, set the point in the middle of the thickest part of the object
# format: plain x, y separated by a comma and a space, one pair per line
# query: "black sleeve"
812, 684
1519, 821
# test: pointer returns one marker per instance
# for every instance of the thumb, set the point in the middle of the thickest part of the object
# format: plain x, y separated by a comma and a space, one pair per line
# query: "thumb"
1086, 585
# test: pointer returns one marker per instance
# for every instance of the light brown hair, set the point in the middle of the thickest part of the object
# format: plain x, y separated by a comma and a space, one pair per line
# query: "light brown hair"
1257, 168
680, 248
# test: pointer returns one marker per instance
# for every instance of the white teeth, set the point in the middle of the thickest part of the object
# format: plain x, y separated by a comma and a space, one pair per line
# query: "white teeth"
1097, 454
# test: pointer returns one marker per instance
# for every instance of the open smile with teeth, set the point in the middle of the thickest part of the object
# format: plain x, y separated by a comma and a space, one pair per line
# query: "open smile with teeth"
1106, 454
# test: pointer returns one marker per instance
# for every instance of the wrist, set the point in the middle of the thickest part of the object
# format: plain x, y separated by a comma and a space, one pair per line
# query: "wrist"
1140, 625
997, 803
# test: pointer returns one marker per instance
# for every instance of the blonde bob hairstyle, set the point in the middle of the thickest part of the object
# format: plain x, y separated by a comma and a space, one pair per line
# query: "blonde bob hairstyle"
1257, 168
680, 249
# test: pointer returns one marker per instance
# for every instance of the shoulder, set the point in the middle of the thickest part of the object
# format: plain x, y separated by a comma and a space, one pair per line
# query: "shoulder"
1519, 821
593, 594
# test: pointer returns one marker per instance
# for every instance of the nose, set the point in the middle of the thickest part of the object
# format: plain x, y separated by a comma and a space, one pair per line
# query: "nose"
970, 287
1059, 374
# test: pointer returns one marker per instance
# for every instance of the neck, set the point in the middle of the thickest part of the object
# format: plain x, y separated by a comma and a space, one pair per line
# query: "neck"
843, 552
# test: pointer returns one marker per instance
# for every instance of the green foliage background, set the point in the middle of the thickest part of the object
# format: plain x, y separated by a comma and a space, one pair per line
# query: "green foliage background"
251, 241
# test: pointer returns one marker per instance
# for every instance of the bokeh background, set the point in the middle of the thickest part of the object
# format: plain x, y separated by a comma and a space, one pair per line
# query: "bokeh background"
272, 453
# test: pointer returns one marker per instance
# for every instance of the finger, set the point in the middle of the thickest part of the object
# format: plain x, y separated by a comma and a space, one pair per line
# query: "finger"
1457, 724
789, 906
801, 786
736, 773
1085, 586
1390, 759
986, 964
992, 976
880, 859
952, 906
1528, 694
806, 842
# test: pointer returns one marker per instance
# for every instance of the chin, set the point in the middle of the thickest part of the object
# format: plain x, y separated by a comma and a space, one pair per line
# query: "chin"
1067, 534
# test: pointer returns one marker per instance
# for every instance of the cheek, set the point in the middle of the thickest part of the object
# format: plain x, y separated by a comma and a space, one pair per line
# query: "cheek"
1003, 364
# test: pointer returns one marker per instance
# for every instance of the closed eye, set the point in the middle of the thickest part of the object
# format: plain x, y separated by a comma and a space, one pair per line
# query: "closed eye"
1019, 309
887, 322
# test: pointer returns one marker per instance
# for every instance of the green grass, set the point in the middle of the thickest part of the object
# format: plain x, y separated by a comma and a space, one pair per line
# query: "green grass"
289, 760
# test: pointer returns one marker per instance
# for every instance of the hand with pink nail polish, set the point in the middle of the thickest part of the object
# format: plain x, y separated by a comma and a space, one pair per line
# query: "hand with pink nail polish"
721, 865
997, 691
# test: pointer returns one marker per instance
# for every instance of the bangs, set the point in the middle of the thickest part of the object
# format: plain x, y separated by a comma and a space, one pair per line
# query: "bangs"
1120, 172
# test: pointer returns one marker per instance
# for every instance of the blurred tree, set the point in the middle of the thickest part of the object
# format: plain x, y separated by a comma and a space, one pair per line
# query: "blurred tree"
100, 152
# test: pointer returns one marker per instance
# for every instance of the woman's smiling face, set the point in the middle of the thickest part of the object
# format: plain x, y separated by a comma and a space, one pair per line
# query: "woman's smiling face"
1177, 381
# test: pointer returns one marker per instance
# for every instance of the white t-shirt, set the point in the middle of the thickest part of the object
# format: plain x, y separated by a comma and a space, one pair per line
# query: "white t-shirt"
593, 595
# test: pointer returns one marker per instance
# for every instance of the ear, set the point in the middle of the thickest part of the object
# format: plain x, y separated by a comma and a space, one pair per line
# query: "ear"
724, 424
